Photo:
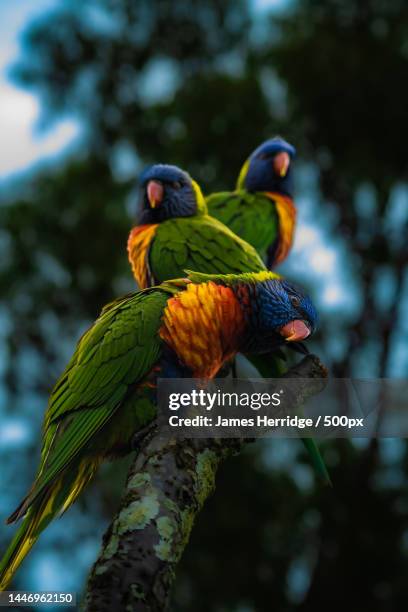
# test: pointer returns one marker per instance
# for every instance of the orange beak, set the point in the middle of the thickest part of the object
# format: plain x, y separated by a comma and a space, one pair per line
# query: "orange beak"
281, 163
155, 193
294, 331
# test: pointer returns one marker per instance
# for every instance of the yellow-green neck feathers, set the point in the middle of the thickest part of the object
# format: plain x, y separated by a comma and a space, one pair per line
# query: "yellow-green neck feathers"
201, 205
242, 175
232, 279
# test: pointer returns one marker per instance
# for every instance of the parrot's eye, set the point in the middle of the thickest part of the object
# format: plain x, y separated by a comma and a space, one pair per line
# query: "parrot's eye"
176, 185
295, 301
263, 156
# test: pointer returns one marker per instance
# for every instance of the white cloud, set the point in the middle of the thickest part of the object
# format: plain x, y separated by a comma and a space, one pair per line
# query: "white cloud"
18, 146
19, 110
14, 16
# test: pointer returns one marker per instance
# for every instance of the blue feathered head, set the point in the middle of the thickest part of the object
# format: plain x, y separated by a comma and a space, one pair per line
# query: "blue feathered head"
168, 192
279, 312
269, 168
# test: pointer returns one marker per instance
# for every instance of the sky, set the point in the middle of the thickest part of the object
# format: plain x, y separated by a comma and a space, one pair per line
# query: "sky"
21, 143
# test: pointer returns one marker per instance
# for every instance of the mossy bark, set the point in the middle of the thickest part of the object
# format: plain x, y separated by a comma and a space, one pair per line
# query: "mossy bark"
167, 486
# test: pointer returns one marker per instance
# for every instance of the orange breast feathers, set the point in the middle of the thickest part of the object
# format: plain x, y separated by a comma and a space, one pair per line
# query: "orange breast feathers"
203, 325
287, 220
138, 245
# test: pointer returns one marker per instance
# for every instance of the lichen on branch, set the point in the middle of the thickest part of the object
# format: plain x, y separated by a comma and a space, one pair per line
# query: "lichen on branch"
168, 483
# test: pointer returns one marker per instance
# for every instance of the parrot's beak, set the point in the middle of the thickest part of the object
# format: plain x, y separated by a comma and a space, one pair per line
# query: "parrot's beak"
281, 163
155, 192
294, 331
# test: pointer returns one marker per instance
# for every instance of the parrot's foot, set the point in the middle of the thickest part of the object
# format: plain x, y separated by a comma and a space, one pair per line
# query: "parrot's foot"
141, 434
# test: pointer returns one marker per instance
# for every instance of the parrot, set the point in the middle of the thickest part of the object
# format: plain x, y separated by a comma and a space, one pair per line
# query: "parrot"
261, 210
182, 328
174, 232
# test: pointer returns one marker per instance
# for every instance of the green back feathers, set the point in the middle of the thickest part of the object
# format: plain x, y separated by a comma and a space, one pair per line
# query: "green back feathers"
252, 216
199, 243
118, 350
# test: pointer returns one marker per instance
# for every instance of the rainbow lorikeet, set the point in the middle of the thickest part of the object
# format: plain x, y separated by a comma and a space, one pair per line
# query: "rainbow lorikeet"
261, 209
189, 327
175, 233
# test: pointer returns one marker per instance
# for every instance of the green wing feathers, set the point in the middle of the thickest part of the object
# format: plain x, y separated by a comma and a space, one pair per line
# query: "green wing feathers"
317, 460
200, 243
116, 353
253, 217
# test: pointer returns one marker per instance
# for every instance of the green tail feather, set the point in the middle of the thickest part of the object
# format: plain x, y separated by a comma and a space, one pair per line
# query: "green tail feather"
317, 460
42, 510
271, 366
24, 539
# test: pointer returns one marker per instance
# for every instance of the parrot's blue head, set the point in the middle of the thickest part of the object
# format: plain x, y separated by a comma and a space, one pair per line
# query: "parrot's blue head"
168, 192
269, 168
279, 312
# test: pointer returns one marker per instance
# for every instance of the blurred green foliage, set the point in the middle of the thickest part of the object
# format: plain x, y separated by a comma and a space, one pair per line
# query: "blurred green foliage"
331, 76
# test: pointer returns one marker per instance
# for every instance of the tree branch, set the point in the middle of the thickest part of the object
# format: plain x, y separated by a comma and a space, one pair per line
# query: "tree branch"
167, 486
